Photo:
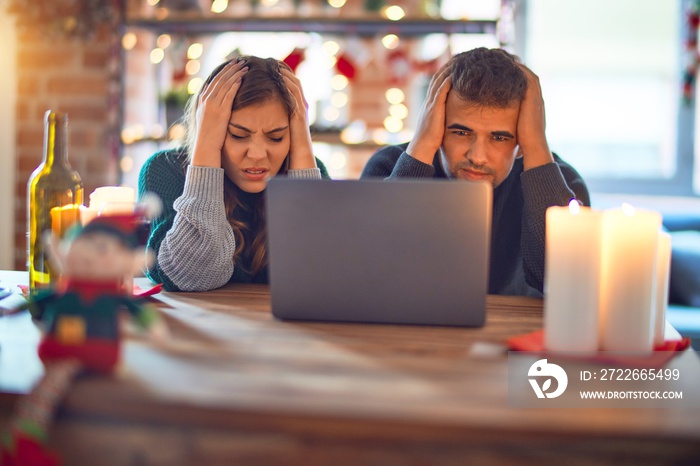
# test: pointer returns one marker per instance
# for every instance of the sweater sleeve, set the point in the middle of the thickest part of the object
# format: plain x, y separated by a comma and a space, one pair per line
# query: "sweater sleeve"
191, 239
320, 172
393, 162
197, 252
553, 184
161, 175
305, 174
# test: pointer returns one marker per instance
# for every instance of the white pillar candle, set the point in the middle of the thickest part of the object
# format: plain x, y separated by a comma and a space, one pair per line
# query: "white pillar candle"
663, 267
572, 278
629, 249
113, 200
87, 214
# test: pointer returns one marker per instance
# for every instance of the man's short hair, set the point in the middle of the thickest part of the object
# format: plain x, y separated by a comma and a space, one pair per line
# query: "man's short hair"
488, 77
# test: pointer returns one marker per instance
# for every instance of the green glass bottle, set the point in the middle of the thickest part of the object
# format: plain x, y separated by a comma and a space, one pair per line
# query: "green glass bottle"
53, 185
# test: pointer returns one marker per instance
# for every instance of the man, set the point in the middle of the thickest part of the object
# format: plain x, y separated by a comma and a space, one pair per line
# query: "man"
484, 119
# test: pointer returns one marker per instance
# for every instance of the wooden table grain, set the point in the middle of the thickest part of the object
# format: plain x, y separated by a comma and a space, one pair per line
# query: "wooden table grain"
233, 385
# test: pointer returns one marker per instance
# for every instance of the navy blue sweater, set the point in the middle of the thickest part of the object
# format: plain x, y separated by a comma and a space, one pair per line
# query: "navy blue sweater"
519, 206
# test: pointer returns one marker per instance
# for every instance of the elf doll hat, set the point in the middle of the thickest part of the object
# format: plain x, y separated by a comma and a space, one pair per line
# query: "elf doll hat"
125, 226
120, 226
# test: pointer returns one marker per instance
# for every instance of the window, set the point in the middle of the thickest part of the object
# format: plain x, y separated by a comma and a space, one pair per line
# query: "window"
610, 74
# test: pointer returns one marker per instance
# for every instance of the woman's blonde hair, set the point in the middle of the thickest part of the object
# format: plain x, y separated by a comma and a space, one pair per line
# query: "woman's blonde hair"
262, 83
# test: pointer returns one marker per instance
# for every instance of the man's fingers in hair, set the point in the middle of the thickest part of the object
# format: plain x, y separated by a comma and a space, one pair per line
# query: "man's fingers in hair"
439, 96
444, 89
532, 78
438, 79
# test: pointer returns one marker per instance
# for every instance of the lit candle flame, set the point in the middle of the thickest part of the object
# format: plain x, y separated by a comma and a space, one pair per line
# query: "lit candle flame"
627, 209
219, 6
574, 207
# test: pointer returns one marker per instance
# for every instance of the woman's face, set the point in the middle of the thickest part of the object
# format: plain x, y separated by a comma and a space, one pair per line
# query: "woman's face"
256, 145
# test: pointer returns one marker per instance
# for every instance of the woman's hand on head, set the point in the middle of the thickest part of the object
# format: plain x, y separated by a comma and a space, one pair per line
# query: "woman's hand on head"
214, 112
300, 149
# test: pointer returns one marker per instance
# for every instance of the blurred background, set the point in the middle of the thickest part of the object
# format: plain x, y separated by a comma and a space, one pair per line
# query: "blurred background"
618, 80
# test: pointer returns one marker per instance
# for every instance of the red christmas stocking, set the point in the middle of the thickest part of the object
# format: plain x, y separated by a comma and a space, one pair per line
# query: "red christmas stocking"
24, 442
293, 59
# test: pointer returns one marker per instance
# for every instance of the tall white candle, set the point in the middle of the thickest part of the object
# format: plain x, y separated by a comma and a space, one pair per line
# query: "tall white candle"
663, 266
113, 200
629, 249
572, 278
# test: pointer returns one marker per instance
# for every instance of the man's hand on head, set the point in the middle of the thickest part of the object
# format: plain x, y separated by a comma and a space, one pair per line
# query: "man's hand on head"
531, 125
431, 123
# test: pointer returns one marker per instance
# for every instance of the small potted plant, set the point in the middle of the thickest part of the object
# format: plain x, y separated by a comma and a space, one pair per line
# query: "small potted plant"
175, 100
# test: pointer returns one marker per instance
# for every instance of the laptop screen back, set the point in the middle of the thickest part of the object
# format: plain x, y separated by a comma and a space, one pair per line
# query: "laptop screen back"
402, 252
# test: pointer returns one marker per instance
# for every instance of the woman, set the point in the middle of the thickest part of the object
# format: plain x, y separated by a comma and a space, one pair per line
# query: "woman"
247, 124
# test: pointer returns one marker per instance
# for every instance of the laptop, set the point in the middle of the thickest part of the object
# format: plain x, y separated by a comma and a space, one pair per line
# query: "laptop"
375, 251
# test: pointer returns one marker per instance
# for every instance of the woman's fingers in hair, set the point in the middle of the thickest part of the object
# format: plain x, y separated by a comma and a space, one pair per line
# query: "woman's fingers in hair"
294, 85
235, 84
284, 66
224, 81
211, 84
300, 145
289, 75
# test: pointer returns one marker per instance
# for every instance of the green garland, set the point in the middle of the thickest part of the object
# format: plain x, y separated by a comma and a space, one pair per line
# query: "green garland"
373, 5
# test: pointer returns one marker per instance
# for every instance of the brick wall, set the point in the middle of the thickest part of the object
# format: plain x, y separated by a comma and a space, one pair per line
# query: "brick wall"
85, 79
81, 78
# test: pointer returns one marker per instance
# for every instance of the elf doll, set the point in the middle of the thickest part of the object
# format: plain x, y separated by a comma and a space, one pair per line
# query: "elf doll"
80, 320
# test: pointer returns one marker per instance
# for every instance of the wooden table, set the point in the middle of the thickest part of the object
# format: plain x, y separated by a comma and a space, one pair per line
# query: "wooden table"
233, 385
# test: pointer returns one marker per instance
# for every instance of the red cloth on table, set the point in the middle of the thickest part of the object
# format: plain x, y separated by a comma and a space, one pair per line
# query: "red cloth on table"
662, 354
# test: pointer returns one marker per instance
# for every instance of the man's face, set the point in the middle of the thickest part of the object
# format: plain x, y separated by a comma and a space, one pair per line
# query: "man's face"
479, 142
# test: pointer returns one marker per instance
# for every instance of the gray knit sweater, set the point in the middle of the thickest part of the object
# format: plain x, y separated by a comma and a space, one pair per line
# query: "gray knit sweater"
192, 238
